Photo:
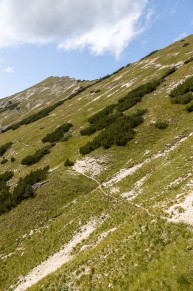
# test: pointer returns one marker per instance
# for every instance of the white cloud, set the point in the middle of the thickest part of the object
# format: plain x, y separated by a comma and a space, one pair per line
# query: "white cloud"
8, 69
4, 68
102, 25
181, 36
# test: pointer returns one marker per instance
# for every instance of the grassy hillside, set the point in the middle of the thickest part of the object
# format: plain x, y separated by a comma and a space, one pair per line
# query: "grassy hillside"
121, 217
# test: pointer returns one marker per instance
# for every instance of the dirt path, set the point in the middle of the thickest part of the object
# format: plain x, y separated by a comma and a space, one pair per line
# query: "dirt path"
64, 255
101, 187
58, 259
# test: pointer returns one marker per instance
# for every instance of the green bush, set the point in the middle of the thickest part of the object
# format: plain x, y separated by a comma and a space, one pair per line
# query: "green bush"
68, 163
23, 190
185, 44
13, 159
58, 133
104, 112
11, 106
88, 130
4, 148
4, 191
5, 200
161, 124
4, 161
112, 112
118, 133
36, 157
183, 93
6, 176
189, 108
188, 60
135, 96
97, 91
169, 72
117, 71
111, 115
182, 99
36, 116
101, 123
185, 87
150, 54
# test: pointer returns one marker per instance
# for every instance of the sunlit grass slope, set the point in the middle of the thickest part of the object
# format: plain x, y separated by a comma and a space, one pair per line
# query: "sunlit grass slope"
138, 195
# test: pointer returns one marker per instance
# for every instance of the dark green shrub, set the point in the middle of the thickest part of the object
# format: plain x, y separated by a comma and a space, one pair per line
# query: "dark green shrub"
113, 112
36, 157
104, 112
107, 120
12, 159
117, 71
6, 176
185, 44
182, 99
169, 72
150, 54
4, 148
182, 94
5, 196
97, 91
118, 133
128, 103
101, 120
141, 112
161, 124
189, 108
188, 60
58, 133
34, 117
68, 163
11, 106
135, 96
24, 188
88, 130
6, 202
4, 161
86, 149
103, 78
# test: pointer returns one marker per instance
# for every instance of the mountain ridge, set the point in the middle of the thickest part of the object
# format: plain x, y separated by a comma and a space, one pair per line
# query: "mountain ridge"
119, 217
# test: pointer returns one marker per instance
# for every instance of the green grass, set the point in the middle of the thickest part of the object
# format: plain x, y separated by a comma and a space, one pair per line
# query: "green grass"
145, 252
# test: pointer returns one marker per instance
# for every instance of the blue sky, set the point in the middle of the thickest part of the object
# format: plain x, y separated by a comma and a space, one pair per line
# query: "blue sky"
84, 39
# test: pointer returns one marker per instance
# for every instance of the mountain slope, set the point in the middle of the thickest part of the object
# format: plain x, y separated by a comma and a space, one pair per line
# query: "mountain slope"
120, 218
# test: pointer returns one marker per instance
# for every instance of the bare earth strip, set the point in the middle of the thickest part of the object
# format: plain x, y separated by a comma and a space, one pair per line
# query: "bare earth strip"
123, 173
58, 259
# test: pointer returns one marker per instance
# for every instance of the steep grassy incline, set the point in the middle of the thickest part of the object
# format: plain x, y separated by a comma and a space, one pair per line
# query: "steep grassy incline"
121, 217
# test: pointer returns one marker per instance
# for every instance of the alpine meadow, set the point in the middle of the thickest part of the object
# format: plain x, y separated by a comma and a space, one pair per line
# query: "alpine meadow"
96, 179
